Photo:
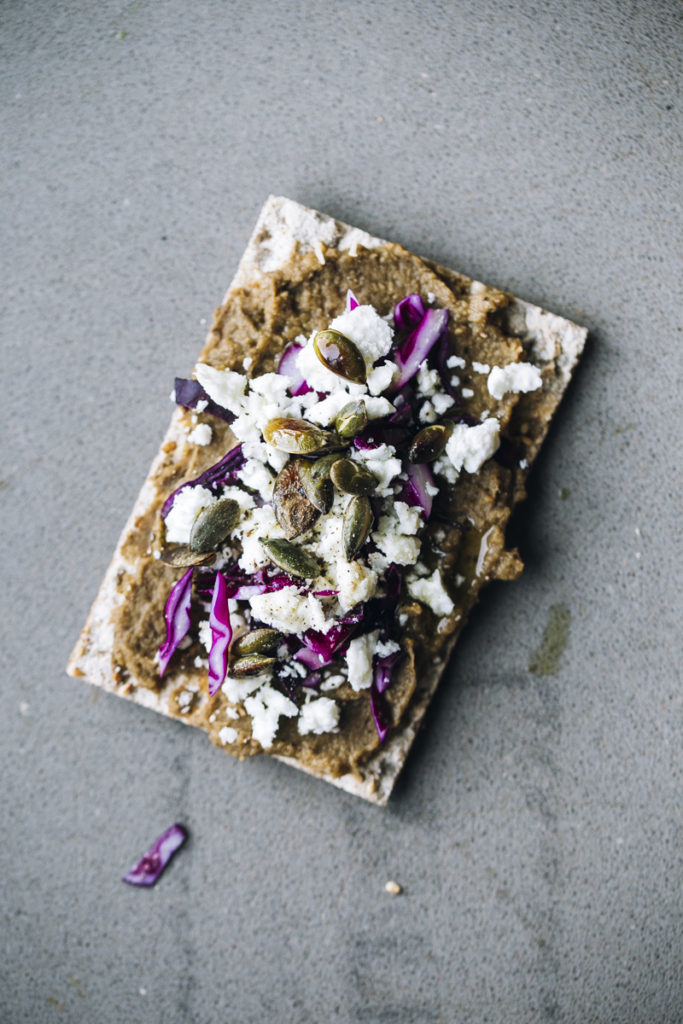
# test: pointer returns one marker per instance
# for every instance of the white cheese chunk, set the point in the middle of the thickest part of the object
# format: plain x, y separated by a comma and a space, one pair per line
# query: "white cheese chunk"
382, 463
319, 716
201, 434
442, 402
428, 381
359, 660
225, 387
430, 590
186, 504
481, 367
355, 582
290, 612
469, 447
227, 734
409, 517
513, 379
266, 707
381, 377
367, 330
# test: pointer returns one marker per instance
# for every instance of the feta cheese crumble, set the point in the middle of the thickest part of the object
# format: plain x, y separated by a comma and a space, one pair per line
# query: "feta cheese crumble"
319, 716
359, 660
290, 611
201, 434
513, 379
430, 590
186, 505
469, 447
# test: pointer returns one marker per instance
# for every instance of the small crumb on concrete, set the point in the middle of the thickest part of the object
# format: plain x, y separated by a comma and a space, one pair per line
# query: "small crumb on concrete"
394, 888
24, 708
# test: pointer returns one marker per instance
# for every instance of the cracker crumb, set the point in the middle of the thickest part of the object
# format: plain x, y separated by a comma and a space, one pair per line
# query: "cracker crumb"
394, 888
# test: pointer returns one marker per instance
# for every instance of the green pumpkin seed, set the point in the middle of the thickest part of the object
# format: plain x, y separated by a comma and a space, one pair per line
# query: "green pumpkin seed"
299, 437
358, 520
294, 511
181, 556
291, 558
317, 487
430, 442
251, 665
213, 524
340, 355
350, 478
257, 641
352, 419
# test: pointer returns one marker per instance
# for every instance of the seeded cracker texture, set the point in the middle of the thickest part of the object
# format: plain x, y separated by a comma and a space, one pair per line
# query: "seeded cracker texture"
293, 279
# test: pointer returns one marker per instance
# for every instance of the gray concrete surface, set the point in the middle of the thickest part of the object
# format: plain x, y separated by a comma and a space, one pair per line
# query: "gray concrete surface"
537, 831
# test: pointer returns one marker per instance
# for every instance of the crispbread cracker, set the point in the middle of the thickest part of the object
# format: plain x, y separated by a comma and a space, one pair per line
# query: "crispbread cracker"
287, 237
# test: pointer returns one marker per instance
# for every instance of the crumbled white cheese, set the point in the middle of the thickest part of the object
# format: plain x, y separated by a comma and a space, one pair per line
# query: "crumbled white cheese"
442, 402
455, 362
272, 387
355, 582
381, 377
186, 504
243, 498
355, 237
396, 546
367, 330
469, 447
258, 477
237, 689
359, 660
290, 612
386, 647
445, 468
201, 405
467, 393
326, 412
332, 682
318, 716
266, 707
225, 387
428, 381
513, 378
430, 591
201, 434
382, 463
227, 734
481, 367
409, 518
258, 523
428, 413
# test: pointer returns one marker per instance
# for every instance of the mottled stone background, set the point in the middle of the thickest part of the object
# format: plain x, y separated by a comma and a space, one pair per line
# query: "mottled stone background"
537, 828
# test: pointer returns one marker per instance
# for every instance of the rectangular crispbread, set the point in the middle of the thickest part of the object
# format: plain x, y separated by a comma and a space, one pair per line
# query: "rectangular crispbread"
289, 236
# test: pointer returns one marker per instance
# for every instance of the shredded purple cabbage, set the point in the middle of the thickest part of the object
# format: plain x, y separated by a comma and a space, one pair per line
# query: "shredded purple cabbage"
380, 713
221, 635
383, 670
418, 478
189, 393
177, 615
335, 641
288, 368
149, 868
408, 312
419, 343
242, 585
221, 473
